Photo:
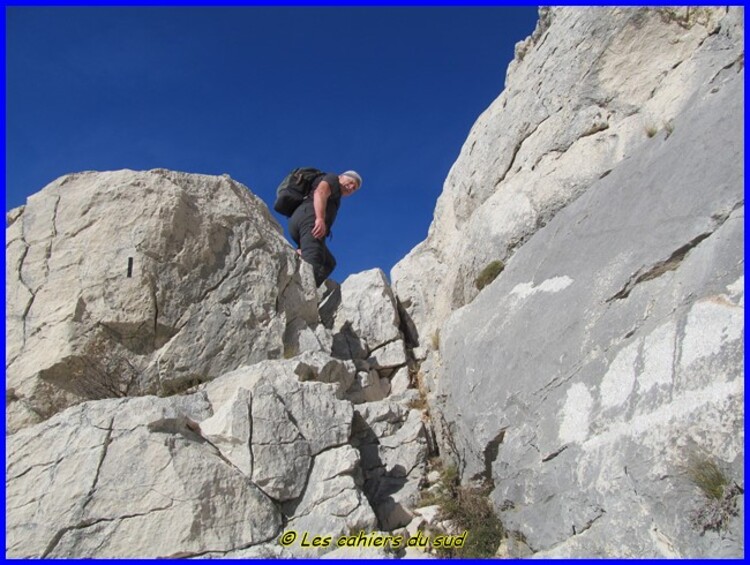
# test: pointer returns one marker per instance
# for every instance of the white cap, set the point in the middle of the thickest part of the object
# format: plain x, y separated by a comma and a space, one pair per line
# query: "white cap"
355, 176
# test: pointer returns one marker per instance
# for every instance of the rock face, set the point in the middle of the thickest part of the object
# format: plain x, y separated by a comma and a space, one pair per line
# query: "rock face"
392, 440
220, 472
154, 477
212, 299
605, 363
177, 387
584, 92
194, 280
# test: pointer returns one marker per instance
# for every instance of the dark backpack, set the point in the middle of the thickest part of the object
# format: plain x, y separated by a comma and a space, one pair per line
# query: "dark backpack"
294, 189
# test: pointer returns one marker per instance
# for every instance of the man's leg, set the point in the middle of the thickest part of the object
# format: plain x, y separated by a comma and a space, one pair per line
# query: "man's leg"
312, 250
315, 252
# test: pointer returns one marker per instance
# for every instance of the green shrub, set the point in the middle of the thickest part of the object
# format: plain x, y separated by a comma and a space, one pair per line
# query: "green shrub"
720, 503
489, 274
707, 476
469, 509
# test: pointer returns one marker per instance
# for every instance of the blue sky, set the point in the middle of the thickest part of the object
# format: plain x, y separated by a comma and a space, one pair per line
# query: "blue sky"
256, 91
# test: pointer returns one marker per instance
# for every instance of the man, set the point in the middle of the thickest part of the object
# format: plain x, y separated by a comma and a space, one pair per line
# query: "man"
313, 219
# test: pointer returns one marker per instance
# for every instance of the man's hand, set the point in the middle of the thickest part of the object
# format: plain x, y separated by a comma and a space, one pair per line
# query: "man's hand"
319, 230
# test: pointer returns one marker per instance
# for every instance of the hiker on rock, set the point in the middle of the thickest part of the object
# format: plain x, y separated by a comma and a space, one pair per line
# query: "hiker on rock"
313, 218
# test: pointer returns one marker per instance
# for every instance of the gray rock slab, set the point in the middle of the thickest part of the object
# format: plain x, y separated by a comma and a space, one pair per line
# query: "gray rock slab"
376, 420
610, 351
400, 381
368, 386
394, 464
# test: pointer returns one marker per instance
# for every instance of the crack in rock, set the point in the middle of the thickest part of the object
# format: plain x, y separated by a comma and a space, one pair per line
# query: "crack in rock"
660, 268
589, 524
26, 471
554, 454
490, 456
516, 150
105, 447
676, 258
88, 523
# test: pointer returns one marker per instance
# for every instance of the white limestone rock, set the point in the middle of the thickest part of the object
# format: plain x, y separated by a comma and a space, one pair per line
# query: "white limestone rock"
579, 98
128, 478
388, 356
392, 441
429, 514
311, 408
230, 430
376, 420
394, 466
333, 504
368, 311
608, 178
299, 338
193, 279
400, 381
281, 454
368, 386
321, 367
186, 475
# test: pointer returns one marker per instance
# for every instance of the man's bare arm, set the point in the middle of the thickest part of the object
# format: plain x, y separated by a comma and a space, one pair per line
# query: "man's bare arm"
320, 201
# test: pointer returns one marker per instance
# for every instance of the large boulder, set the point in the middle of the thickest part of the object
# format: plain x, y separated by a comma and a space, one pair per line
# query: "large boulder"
603, 369
126, 283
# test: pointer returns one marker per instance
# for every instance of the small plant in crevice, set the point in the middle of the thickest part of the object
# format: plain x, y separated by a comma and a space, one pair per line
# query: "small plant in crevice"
11, 396
179, 387
719, 492
467, 508
652, 129
686, 17
707, 476
669, 127
435, 340
489, 274
420, 402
